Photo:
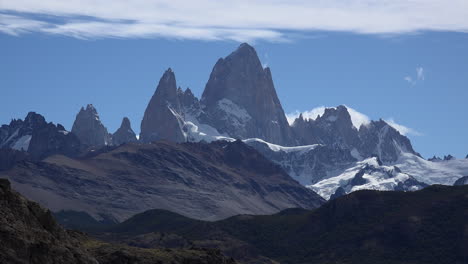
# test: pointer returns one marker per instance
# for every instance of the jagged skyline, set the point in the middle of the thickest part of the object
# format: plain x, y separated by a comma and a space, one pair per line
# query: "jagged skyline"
119, 91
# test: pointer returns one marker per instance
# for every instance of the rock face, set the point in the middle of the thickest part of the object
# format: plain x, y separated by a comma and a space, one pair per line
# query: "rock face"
380, 139
124, 134
199, 180
89, 128
162, 119
38, 138
241, 100
29, 233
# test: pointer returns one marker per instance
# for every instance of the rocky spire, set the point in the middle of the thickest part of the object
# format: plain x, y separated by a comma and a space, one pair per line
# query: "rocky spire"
162, 119
241, 99
124, 134
89, 128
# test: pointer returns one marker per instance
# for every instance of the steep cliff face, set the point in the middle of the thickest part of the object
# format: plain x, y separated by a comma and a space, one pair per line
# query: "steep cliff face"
89, 128
241, 100
162, 119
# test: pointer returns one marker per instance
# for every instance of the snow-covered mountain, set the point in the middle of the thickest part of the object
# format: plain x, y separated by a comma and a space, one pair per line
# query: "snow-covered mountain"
368, 174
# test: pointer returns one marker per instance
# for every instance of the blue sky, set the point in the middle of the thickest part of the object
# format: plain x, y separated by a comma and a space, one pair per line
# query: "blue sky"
416, 75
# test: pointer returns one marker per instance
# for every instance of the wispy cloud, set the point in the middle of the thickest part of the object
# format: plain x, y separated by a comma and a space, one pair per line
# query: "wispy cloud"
404, 130
420, 76
240, 20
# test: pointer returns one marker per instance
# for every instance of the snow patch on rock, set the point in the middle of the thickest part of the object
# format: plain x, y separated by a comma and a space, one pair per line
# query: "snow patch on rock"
22, 143
234, 113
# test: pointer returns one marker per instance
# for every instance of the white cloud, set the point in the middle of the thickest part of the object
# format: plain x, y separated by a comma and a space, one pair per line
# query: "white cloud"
409, 80
401, 128
420, 73
357, 118
241, 20
420, 76
312, 114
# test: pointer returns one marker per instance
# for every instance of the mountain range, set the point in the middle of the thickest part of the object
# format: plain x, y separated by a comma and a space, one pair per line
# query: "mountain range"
239, 116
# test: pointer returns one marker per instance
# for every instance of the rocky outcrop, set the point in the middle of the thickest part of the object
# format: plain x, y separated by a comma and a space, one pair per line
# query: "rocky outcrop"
162, 119
29, 233
89, 128
124, 134
39, 138
241, 100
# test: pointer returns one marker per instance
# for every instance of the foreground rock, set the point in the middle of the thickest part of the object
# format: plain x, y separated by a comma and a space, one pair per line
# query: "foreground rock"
29, 234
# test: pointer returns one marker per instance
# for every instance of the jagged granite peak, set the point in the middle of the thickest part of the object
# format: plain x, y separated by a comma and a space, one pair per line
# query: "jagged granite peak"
89, 128
162, 119
188, 101
38, 138
124, 134
380, 139
241, 99
334, 127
